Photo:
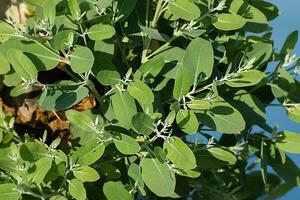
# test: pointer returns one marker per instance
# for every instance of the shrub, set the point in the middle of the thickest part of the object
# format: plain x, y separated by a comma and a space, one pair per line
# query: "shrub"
168, 77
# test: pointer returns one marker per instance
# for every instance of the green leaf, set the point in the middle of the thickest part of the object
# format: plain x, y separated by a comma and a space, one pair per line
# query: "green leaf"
6, 163
101, 32
74, 9
250, 107
152, 67
155, 34
20, 89
58, 197
170, 117
199, 104
182, 83
82, 59
292, 175
187, 121
256, 20
289, 43
263, 163
60, 40
143, 123
180, 154
269, 9
49, 11
8, 191
110, 171
76, 189
294, 113
173, 58
184, 9
81, 119
222, 117
35, 2
141, 92
163, 183
134, 171
5, 29
124, 108
32, 151
288, 141
108, 77
116, 191
41, 55
126, 144
5, 66
223, 155
62, 96
261, 53
199, 59
86, 174
41, 169
22, 64
246, 78
89, 153
125, 8
229, 22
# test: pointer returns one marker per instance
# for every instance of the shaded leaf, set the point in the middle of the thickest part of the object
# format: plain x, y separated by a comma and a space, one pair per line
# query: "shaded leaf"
187, 121
143, 123
89, 153
22, 64
199, 59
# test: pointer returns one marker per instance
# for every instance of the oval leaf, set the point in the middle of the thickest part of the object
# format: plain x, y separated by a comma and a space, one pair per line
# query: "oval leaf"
116, 191
163, 183
82, 59
288, 141
184, 9
22, 64
86, 174
183, 82
143, 123
62, 96
89, 153
81, 119
126, 144
8, 191
101, 32
141, 92
246, 78
187, 121
228, 22
180, 154
108, 77
76, 189
124, 108
199, 59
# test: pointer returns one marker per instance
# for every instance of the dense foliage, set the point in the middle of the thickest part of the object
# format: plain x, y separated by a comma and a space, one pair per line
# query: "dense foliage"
167, 76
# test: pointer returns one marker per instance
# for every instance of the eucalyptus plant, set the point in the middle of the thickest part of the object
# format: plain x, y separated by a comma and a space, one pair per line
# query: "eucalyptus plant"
181, 88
